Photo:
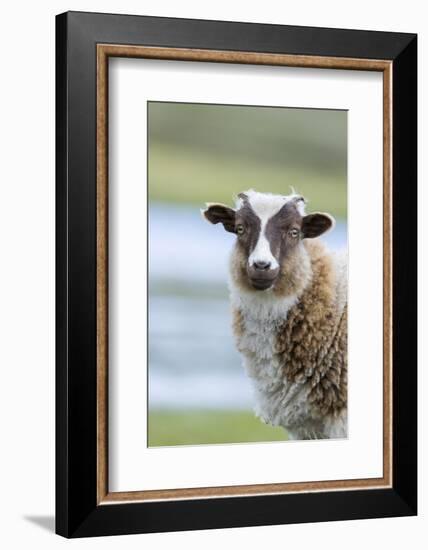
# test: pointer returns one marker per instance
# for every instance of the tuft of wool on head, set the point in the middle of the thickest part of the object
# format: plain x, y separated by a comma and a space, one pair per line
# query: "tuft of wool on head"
268, 203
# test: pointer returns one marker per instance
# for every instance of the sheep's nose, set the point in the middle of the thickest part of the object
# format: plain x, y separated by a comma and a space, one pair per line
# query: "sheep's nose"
263, 266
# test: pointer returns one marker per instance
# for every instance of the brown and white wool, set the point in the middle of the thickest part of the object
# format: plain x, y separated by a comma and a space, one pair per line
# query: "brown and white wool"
289, 304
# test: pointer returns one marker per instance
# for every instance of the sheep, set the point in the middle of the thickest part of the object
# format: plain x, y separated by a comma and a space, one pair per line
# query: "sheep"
289, 309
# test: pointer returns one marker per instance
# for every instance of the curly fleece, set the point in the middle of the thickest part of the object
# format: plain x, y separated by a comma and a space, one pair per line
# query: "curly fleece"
296, 350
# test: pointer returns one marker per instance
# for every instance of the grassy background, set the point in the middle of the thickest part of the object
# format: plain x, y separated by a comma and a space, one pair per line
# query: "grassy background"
179, 175
177, 427
201, 153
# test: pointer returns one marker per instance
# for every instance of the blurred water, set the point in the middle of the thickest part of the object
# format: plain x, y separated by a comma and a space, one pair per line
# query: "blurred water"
192, 359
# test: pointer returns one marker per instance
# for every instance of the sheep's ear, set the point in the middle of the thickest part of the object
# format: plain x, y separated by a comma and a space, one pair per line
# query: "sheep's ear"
314, 225
220, 213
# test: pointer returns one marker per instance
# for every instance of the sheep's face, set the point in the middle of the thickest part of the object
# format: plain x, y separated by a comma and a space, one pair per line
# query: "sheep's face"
269, 230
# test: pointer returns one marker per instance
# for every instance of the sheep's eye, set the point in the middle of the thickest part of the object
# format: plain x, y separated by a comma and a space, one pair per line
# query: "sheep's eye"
293, 233
240, 229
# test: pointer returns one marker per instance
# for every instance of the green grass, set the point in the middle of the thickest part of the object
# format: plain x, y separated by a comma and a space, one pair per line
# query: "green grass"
183, 176
204, 427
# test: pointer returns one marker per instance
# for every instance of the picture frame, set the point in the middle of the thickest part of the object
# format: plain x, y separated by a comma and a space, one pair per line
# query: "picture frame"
84, 44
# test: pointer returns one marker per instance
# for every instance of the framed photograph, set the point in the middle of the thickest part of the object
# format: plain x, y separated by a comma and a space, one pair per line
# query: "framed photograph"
236, 274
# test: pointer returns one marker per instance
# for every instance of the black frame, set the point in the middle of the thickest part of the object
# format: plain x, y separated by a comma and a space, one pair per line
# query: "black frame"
77, 513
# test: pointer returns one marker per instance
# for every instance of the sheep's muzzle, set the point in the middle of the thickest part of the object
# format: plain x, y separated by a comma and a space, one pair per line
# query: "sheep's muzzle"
262, 279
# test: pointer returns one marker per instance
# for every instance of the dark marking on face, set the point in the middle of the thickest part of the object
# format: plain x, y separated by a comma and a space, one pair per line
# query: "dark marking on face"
283, 233
262, 275
248, 227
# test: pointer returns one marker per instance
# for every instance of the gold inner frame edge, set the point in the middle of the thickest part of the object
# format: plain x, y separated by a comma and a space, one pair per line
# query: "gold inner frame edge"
104, 51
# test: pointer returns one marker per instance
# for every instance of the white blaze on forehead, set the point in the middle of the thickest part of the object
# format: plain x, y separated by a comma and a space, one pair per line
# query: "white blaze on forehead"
265, 206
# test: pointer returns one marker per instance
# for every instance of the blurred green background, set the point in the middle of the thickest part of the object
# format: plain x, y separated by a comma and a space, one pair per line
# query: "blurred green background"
205, 426
197, 148
197, 153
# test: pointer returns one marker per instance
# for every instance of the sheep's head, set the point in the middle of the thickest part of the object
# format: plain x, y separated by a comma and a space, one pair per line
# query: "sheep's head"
270, 230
